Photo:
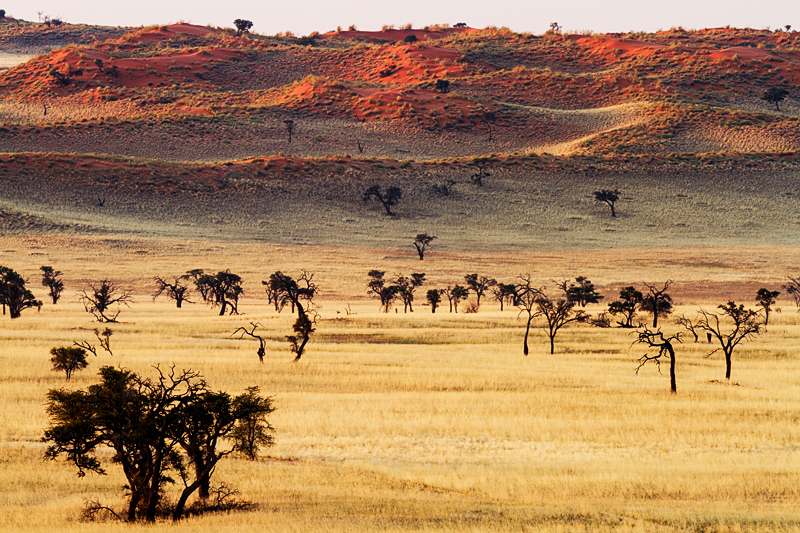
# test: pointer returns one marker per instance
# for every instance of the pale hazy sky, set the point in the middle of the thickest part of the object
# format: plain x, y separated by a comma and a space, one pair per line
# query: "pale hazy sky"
320, 15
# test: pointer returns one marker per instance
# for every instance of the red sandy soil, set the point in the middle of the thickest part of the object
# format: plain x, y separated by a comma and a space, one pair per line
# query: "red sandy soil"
397, 35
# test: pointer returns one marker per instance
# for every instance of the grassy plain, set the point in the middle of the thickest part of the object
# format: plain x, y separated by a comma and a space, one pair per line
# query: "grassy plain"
426, 422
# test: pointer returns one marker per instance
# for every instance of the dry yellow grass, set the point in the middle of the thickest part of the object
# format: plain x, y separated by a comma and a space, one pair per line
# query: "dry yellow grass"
427, 422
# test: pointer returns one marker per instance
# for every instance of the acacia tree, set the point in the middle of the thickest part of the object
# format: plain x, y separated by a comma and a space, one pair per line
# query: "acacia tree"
630, 300
252, 333
557, 314
378, 286
504, 292
657, 301
656, 339
14, 295
300, 295
100, 299
68, 359
765, 299
147, 422
608, 196
454, 295
177, 290
525, 298
434, 297
583, 293
775, 95
745, 325
389, 197
52, 280
242, 26
253, 431
406, 287
479, 285
421, 242
222, 289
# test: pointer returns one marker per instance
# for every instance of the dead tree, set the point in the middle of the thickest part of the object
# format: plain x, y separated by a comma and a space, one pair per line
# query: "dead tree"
656, 339
252, 333
104, 338
289, 125
99, 300
746, 325
176, 290
557, 314
689, 326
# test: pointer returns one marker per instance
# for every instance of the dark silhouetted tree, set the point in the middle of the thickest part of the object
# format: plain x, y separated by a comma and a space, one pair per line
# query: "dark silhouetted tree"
454, 295
526, 296
775, 95
104, 301
421, 242
743, 324
289, 125
222, 289
242, 26
389, 197
434, 297
14, 295
657, 301
52, 280
410, 39
583, 293
177, 290
608, 196
479, 285
147, 423
656, 339
630, 300
442, 86
557, 314
689, 325
378, 286
68, 359
406, 287
504, 292
252, 333
765, 299
481, 165
300, 294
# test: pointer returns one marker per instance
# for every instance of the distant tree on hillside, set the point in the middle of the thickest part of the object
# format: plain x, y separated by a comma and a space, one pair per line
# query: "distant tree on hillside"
421, 242
410, 39
775, 95
608, 196
442, 86
389, 197
289, 125
481, 165
51, 279
2, 13
242, 26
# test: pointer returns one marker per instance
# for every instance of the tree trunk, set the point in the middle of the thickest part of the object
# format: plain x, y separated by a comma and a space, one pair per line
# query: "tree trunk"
727, 366
672, 385
552, 343
223, 307
613, 211
178, 302
525, 342
655, 319
132, 505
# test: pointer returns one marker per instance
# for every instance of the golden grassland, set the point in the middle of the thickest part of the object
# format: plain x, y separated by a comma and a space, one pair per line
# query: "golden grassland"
428, 422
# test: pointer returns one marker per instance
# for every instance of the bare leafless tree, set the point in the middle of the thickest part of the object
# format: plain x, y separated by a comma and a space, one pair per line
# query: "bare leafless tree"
99, 300
689, 326
525, 298
656, 339
252, 333
557, 314
177, 290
